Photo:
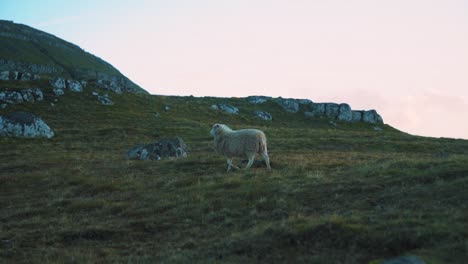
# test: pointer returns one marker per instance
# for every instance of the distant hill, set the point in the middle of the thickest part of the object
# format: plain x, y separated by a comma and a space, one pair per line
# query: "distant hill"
28, 50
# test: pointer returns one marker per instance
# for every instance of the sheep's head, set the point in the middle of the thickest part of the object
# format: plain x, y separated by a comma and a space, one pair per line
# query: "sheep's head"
218, 128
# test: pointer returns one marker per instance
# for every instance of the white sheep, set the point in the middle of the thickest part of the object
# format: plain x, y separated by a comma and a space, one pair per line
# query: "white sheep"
240, 143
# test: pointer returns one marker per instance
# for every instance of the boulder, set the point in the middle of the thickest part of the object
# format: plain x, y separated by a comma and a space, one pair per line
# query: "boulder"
356, 116
290, 105
105, 99
214, 107
58, 91
5, 75
112, 86
32, 94
58, 83
74, 86
371, 116
11, 97
164, 148
332, 110
344, 113
26, 76
263, 115
227, 108
257, 99
316, 109
25, 125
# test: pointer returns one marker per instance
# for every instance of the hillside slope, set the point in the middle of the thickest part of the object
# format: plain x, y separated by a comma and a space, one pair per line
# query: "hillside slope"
338, 193
27, 50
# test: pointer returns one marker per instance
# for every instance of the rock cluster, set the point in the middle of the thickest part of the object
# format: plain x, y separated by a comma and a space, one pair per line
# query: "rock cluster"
29, 95
25, 125
263, 115
290, 105
225, 108
103, 99
164, 148
18, 76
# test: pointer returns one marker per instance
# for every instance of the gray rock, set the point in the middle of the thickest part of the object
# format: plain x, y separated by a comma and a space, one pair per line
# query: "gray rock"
26, 76
25, 125
332, 110
356, 116
5, 75
403, 260
332, 123
228, 108
317, 109
345, 113
58, 91
111, 85
94, 93
74, 86
167, 108
11, 97
263, 115
257, 99
105, 100
378, 129
164, 148
83, 83
290, 105
372, 116
32, 95
214, 107
58, 83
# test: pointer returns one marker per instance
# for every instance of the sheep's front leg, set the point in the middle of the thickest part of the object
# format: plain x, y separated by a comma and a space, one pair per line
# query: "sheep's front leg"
231, 165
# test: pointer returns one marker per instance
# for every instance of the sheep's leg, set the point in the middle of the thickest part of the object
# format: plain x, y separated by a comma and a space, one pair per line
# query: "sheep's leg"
231, 165
251, 161
266, 159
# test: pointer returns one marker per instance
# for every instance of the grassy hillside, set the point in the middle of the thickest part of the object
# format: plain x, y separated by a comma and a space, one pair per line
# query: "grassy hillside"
344, 194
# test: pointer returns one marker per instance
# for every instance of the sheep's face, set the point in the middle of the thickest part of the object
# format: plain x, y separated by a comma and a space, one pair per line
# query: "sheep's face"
214, 129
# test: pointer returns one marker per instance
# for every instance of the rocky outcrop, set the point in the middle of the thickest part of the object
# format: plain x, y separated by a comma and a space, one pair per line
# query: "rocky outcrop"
290, 105
263, 115
74, 86
225, 108
25, 125
17, 76
29, 95
343, 112
164, 148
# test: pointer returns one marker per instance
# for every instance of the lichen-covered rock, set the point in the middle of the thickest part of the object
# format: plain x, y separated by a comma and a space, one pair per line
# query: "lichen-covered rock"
371, 116
226, 108
5, 75
290, 105
263, 115
32, 94
332, 110
356, 116
11, 97
26, 76
113, 86
105, 99
164, 148
25, 125
58, 83
214, 107
345, 113
74, 86
316, 109
58, 91
257, 99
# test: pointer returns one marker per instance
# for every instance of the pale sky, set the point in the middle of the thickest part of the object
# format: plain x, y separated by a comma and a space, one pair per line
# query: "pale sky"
408, 59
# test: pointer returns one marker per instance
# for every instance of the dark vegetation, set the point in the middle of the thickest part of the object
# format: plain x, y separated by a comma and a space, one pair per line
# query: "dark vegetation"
344, 194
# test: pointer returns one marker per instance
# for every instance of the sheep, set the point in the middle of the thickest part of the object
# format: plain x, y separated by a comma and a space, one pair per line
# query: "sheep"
240, 143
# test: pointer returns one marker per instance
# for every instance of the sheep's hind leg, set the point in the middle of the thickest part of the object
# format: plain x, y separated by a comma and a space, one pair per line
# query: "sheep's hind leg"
251, 161
266, 159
